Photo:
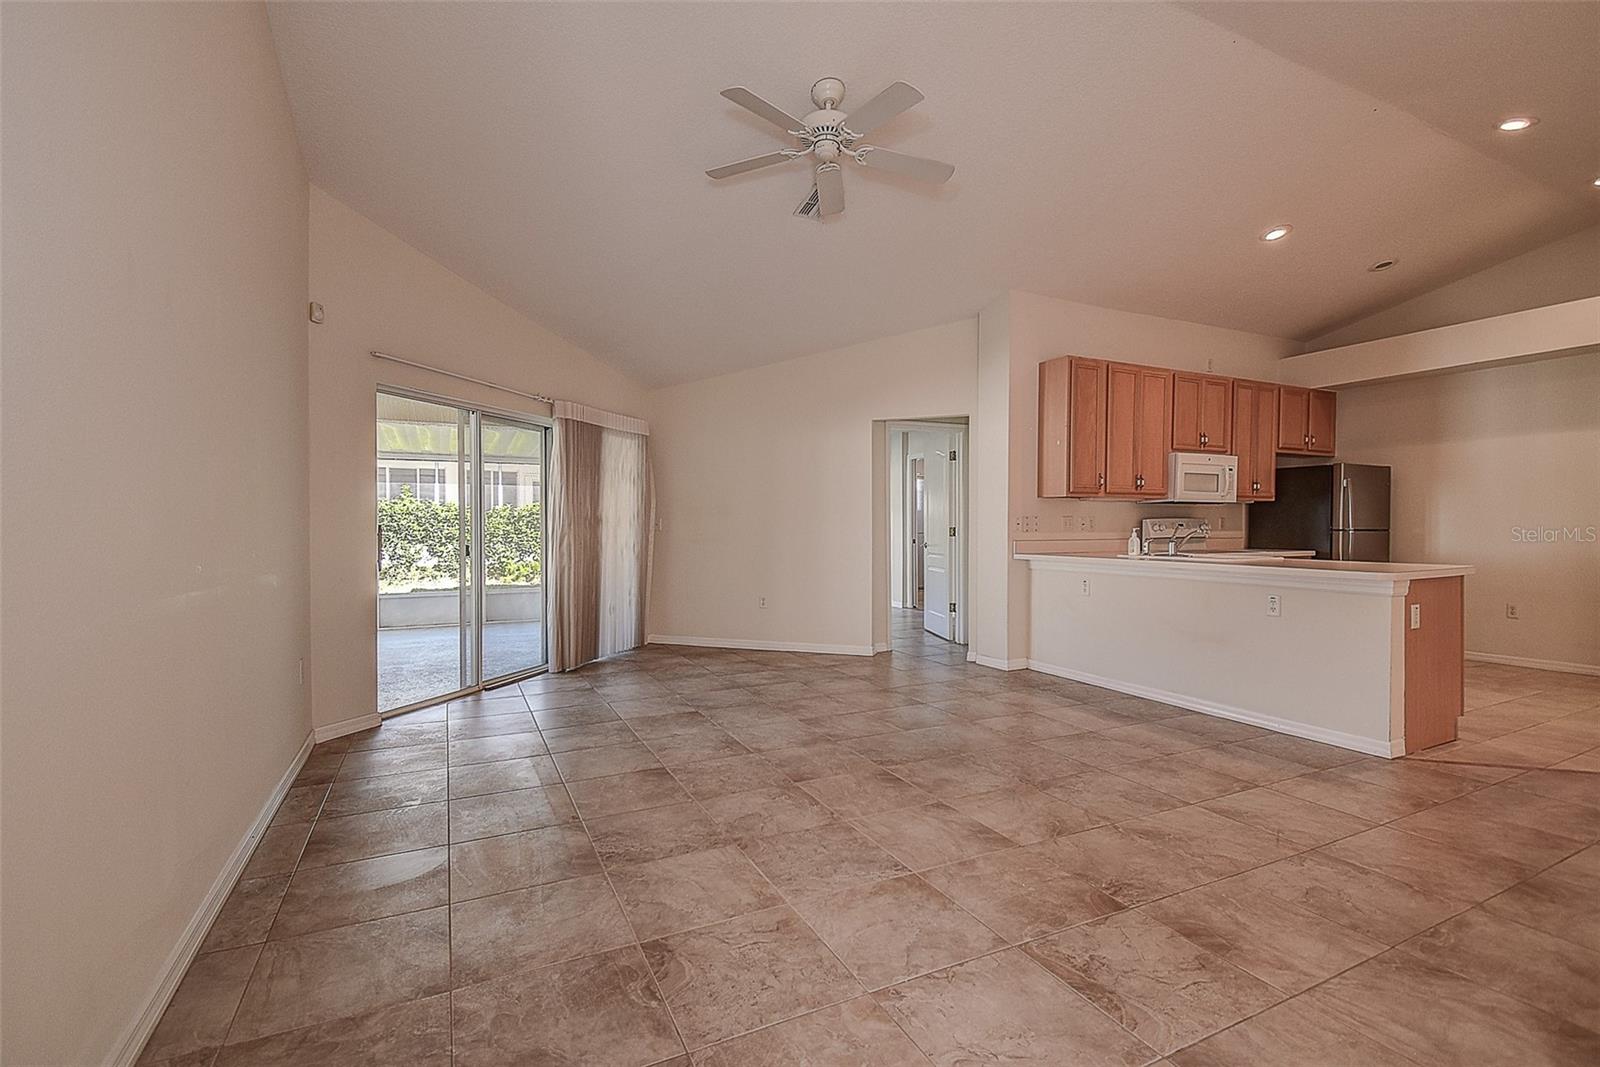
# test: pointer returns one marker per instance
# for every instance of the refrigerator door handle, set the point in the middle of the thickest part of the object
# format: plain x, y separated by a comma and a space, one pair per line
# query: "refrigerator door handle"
1348, 505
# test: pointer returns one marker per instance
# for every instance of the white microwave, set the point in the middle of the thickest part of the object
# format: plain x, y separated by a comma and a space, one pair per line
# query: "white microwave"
1202, 478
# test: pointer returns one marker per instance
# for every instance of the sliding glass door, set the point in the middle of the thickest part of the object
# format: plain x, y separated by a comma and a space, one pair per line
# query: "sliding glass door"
460, 549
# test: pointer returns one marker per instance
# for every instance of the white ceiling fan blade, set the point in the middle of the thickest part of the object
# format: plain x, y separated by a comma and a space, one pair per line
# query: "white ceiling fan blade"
928, 170
881, 108
754, 104
830, 189
753, 163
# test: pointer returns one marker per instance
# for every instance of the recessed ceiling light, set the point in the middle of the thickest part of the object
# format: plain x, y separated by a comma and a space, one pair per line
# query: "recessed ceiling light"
1381, 265
1277, 233
1517, 123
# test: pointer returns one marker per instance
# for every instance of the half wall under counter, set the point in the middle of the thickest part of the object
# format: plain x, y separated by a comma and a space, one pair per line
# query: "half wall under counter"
1339, 663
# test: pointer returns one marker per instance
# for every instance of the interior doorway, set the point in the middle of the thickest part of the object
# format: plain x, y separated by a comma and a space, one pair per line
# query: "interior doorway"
926, 528
460, 549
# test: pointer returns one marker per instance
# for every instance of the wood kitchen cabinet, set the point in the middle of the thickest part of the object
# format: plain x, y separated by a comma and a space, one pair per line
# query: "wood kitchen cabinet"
1072, 427
1256, 421
1306, 420
1202, 413
1138, 430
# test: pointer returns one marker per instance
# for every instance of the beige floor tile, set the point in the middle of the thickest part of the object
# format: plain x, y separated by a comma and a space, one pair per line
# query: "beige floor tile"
592, 735
492, 936
854, 1032
1024, 814
1031, 764
476, 779
1359, 899
1159, 985
634, 791
1294, 822
1291, 1033
947, 777
1299, 750
1283, 944
828, 857
505, 813
1106, 797
765, 812
1435, 1016
375, 833
392, 761
247, 914
735, 976
1563, 900
493, 865
602, 1008
1124, 866
278, 851
1020, 893
1099, 750
548, 719
667, 896
864, 792
1552, 973
355, 796
1005, 1008
519, 722
300, 804
203, 1006
1429, 866
605, 762
1336, 790
320, 898
682, 750
818, 759
334, 974
931, 834
655, 833
1492, 829
733, 774
495, 749
1218, 846
416, 1033
892, 930
1258, 768
1179, 776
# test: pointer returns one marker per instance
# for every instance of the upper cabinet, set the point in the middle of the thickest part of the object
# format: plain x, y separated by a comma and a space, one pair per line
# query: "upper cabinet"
1306, 421
1138, 430
1255, 433
1202, 413
1105, 429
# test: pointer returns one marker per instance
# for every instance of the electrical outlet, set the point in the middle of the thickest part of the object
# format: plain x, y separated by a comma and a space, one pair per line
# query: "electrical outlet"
1511, 612
1086, 522
1416, 616
761, 602
1027, 524
1084, 587
1274, 606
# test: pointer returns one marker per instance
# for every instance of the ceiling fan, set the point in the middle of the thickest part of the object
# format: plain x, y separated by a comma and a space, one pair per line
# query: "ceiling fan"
828, 134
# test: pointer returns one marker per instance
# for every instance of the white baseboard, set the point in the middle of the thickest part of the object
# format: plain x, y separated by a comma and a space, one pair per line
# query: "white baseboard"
876, 648
328, 731
760, 646
1537, 664
194, 933
1371, 746
998, 664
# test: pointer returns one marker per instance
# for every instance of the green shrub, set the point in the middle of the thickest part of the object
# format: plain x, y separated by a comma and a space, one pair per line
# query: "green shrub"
420, 542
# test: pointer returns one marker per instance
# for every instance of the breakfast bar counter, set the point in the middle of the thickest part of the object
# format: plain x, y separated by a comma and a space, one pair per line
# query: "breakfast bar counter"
1367, 656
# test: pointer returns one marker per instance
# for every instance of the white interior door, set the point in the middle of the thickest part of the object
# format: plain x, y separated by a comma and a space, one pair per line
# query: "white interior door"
937, 543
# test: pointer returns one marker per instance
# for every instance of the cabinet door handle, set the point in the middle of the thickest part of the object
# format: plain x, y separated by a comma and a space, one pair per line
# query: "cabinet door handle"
1313, 439
1101, 481
1202, 438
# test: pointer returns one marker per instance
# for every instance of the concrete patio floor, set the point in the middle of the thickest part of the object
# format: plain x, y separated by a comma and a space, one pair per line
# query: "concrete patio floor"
417, 662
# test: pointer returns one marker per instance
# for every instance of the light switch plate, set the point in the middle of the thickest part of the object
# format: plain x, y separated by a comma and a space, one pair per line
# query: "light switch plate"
1416, 616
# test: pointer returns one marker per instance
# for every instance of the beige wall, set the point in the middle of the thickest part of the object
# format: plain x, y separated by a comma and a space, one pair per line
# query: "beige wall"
765, 485
1568, 269
154, 423
1476, 455
1036, 328
380, 293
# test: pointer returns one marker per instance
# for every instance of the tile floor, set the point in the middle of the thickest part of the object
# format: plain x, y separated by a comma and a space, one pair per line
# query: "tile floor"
731, 859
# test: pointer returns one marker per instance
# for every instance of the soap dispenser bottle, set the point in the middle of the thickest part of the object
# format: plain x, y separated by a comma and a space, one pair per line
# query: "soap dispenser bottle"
1133, 544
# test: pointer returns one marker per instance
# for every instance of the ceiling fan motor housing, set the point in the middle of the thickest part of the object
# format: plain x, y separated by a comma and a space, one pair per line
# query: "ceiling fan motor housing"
828, 93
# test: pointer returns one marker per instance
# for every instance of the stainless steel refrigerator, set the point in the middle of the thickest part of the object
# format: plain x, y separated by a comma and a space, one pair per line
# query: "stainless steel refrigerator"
1341, 510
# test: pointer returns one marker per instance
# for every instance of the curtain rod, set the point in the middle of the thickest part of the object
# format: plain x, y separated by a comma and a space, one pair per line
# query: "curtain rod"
463, 377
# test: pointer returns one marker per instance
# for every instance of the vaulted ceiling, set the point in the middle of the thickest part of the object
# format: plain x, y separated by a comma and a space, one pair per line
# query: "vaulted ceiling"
1126, 155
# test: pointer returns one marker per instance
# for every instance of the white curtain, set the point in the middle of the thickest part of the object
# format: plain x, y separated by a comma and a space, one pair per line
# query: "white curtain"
602, 521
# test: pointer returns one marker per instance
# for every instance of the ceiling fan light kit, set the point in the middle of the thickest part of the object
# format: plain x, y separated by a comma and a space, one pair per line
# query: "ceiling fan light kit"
829, 135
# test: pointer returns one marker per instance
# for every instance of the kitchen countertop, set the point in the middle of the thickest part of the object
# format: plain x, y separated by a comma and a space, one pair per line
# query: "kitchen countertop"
1266, 570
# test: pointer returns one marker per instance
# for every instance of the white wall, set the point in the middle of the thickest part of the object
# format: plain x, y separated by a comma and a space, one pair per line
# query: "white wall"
380, 293
1476, 455
154, 421
765, 486
1568, 269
